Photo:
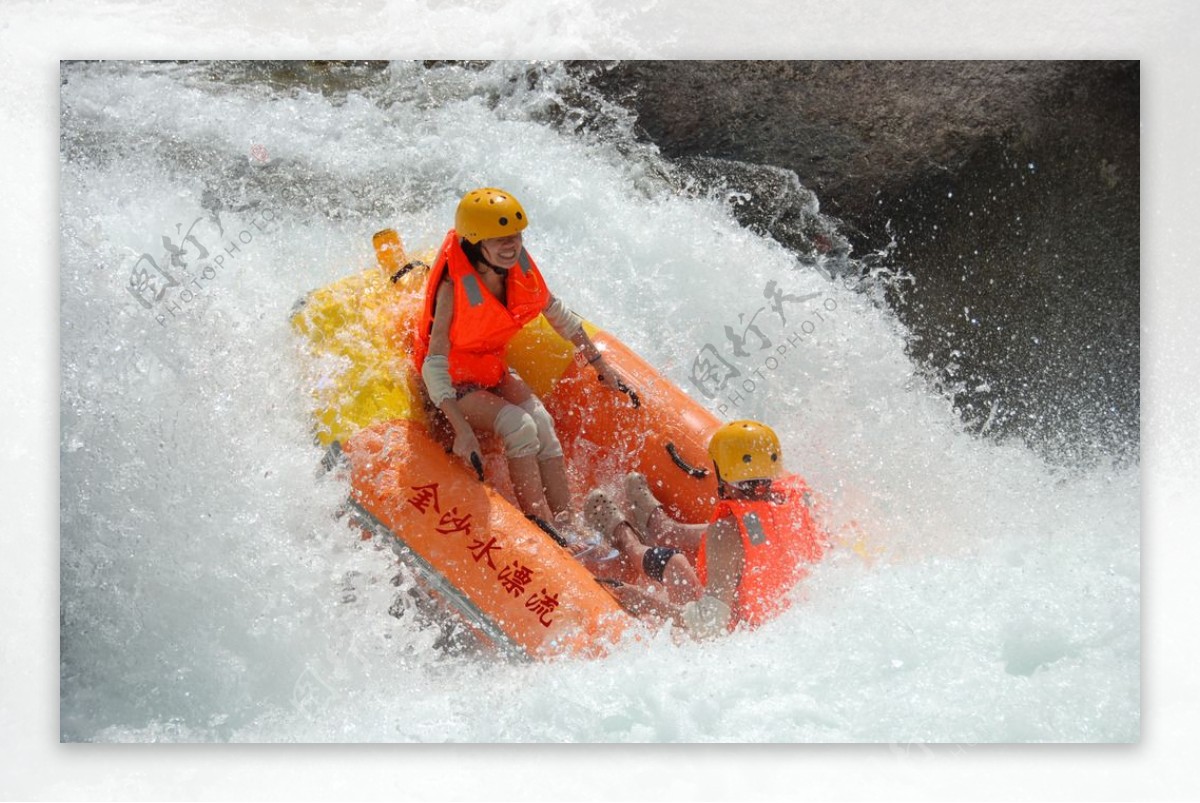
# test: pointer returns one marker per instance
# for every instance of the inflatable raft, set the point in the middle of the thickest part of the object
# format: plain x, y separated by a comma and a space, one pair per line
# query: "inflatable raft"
476, 554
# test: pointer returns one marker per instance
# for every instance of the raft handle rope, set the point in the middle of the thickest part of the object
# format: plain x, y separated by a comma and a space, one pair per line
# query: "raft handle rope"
621, 386
398, 275
677, 459
476, 463
548, 529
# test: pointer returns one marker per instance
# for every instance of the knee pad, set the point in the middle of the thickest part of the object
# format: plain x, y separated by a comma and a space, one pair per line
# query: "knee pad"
548, 445
518, 431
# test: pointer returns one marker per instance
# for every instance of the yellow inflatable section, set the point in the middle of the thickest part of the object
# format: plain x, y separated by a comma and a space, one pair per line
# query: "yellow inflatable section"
358, 329
351, 332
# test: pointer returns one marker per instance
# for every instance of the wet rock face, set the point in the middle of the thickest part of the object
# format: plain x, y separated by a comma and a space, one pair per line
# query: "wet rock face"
1011, 189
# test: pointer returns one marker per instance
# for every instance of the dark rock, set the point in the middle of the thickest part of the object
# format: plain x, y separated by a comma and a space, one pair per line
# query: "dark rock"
1011, 188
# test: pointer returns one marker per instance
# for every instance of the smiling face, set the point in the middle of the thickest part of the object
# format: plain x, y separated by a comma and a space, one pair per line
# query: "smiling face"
502, 252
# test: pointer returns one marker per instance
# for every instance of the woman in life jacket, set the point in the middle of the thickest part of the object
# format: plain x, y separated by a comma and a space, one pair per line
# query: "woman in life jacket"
483, 288
752, 552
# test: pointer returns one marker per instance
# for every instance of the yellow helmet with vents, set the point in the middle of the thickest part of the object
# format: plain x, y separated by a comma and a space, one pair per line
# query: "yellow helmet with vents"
746, 450
489, 212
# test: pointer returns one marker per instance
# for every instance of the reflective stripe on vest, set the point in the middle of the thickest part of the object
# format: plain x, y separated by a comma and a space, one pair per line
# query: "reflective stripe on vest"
474, 291
778, 539
481, 326
754, 528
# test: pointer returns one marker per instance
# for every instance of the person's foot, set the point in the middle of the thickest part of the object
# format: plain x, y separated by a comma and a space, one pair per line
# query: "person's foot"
601, 514
570, 527
640, 502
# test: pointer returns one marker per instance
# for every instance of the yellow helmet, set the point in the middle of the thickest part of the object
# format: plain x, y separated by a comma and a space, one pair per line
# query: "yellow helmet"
489, 212
745, 450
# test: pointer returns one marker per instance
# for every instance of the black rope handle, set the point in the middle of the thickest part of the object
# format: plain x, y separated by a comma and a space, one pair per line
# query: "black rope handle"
398, 275
628, 391
548, 529
677, 459
633, 397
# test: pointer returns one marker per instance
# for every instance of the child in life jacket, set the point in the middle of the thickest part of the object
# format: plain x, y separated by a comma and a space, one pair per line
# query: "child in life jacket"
482, 289
752, 552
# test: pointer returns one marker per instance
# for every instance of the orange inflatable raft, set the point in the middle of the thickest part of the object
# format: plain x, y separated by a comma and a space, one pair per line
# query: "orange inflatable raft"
516, 588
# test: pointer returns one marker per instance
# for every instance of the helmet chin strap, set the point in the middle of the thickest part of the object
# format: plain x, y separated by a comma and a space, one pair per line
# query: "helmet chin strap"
753, 490
499, 271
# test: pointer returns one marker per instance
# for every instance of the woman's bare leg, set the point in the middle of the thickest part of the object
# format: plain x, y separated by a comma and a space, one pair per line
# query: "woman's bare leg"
554, 485
480, 409
680, 579
683, 585
646, 513
526, 476
552, 470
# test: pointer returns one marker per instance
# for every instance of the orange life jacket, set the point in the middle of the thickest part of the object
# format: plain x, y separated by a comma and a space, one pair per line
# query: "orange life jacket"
481, 326
779, 538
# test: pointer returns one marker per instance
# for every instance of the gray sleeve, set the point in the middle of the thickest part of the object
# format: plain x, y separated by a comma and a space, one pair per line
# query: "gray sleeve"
436, 373
568, 324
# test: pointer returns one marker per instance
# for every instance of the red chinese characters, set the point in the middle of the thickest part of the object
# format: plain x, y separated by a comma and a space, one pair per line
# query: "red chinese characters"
451, 522
514, 577
481, 550
426, 495
542, 605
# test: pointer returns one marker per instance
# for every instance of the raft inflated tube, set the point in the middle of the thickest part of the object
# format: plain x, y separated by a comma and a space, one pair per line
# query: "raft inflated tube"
467, 538
508, 572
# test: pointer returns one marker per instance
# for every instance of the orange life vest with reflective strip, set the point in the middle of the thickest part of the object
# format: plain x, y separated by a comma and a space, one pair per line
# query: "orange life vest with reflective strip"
481, 326
779, 539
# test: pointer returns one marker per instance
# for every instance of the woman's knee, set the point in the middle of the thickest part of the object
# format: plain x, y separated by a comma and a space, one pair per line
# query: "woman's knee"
548, 443
518, 431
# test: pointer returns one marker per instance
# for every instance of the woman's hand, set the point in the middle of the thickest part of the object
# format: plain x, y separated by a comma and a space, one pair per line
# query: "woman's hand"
466, 445
610, 378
